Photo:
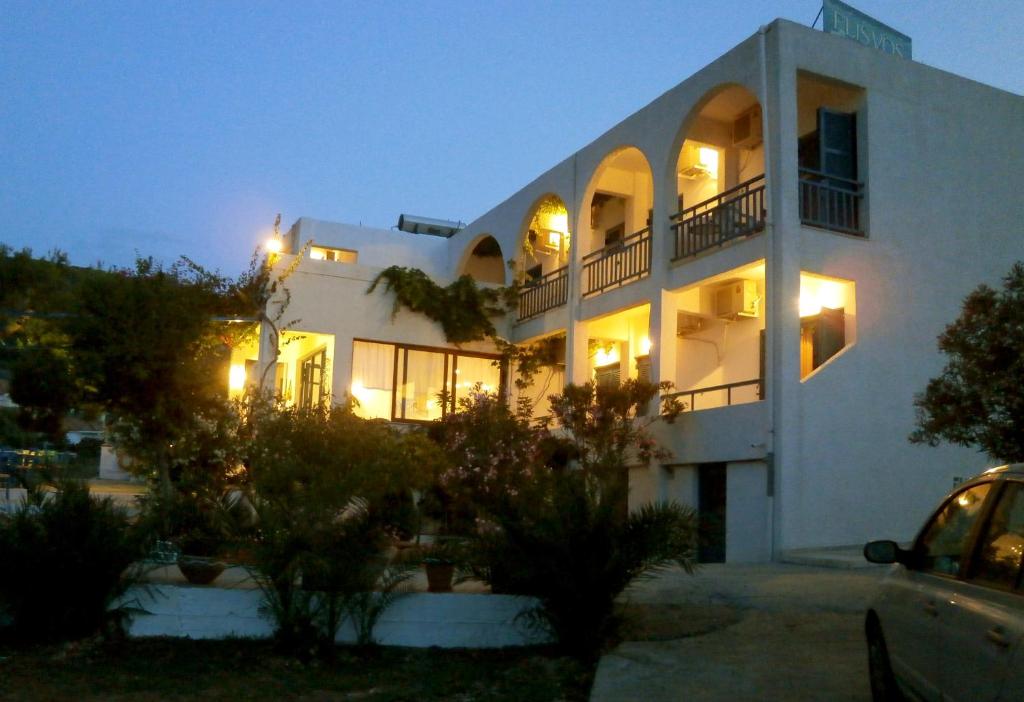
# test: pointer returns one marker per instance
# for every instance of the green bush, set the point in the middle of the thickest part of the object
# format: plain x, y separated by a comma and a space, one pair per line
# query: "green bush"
576, 550
322, 483
554, 522
65, 557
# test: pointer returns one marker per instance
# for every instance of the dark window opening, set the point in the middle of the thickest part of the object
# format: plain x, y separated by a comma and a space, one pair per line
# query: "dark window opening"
312, 389
830, 194
822, 336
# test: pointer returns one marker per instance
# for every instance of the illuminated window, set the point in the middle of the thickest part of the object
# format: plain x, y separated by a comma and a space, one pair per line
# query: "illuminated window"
323, 253
373, 373
403, 383
827, 316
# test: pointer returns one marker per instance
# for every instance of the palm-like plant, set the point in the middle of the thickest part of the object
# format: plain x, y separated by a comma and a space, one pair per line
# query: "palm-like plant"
560, 529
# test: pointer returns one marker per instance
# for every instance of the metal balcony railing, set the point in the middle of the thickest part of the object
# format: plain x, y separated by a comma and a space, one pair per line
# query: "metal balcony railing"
721, 395
617, 264
543, 294
830, 202
737, 212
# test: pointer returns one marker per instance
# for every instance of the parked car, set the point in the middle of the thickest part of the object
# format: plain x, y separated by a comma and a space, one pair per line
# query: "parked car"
948, 620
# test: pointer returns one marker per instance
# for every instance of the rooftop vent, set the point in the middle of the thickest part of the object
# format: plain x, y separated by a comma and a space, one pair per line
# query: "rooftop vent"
426, 225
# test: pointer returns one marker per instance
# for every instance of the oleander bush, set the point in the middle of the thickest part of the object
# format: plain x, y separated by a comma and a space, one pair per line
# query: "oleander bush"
319, 481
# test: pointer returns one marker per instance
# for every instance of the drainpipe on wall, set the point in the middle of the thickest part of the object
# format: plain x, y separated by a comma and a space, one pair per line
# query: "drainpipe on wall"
771, 280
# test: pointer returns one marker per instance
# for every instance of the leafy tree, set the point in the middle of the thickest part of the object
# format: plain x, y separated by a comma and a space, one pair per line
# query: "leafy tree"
978, 399
44, 389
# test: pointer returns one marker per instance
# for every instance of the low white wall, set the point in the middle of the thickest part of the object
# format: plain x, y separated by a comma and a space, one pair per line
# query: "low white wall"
417, 620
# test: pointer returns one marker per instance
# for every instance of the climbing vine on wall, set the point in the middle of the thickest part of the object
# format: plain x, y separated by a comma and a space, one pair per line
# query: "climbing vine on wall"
463, 309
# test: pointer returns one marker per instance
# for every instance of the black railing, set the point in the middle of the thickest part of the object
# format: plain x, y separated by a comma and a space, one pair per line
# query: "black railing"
618, 263
544, 293
734, 213
830, 202
731, 393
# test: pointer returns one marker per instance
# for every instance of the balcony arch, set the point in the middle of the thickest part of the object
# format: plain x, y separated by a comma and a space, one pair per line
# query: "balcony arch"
718, 170
615, 222
483, 260
543, 257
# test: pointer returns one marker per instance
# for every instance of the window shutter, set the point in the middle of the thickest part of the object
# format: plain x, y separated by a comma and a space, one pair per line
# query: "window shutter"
607, 376
838, 134
829, 334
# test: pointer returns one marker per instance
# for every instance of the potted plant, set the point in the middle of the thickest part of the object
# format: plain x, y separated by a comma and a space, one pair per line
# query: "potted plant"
198, 530
439, 561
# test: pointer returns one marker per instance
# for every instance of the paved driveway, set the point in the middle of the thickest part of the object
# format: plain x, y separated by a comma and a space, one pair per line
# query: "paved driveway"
784, 632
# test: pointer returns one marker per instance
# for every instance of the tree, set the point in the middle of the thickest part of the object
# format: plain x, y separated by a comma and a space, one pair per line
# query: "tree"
978, 399
44, 389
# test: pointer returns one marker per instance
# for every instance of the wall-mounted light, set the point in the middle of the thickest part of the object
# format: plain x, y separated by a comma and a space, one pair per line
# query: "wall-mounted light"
707, 159
816, 293
273, 245
645, 345
236, 377
606, 356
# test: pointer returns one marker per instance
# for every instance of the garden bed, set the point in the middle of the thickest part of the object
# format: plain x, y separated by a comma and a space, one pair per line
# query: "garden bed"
175, 669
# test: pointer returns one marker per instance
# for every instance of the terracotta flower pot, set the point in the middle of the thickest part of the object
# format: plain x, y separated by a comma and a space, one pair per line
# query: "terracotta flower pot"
439, 576
199, 570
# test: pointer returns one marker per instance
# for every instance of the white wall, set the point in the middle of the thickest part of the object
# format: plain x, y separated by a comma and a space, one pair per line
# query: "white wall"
940, 160
417, 620
376, 248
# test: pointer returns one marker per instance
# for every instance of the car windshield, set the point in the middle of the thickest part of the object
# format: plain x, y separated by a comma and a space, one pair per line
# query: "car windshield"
942, 545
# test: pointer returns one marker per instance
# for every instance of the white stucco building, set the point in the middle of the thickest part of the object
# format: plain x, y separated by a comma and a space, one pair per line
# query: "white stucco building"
782, 235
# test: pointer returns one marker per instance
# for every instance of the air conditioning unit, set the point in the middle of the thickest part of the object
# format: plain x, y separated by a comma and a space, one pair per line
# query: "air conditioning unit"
687, 324
737, 298
746, 129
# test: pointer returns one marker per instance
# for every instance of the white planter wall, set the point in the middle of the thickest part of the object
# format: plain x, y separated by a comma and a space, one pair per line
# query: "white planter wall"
416, 620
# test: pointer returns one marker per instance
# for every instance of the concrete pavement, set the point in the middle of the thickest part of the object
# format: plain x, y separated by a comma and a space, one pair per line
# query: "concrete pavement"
746, 632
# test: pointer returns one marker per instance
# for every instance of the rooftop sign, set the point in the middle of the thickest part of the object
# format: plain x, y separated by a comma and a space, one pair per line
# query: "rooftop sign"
841, 19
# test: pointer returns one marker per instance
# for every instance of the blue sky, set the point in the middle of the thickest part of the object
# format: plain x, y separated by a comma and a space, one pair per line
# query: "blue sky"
183, 128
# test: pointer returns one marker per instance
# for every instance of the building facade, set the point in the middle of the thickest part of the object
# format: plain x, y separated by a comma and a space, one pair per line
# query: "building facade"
782, 236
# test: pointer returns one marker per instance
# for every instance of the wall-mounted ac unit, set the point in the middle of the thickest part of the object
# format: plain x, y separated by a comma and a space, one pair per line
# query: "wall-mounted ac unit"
747, 130
687, 324
737, 298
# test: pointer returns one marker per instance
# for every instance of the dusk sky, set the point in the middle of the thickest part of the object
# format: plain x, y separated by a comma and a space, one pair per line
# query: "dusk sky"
183, 128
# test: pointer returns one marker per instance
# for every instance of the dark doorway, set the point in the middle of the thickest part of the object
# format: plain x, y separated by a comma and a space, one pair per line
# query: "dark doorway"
711, 513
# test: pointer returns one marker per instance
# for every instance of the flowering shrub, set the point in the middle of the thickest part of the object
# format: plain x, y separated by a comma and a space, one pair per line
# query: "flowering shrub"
551, 501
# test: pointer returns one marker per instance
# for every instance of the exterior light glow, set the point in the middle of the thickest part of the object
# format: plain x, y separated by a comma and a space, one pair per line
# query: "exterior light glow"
606, 357
708, 159
816, 293
645, 346
555, 239
236, 377
273, 245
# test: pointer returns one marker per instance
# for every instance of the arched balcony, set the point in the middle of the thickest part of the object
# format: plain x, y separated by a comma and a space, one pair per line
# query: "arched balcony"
484, 262
543, 259
720, 174
617, 243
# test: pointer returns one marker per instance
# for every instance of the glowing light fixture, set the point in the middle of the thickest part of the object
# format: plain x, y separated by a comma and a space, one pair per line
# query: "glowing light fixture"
645, 345
707, 159
606, 356
236, 377
816, 293
273, 245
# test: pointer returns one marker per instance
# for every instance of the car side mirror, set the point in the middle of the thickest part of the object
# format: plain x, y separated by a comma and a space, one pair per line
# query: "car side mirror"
883, 552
